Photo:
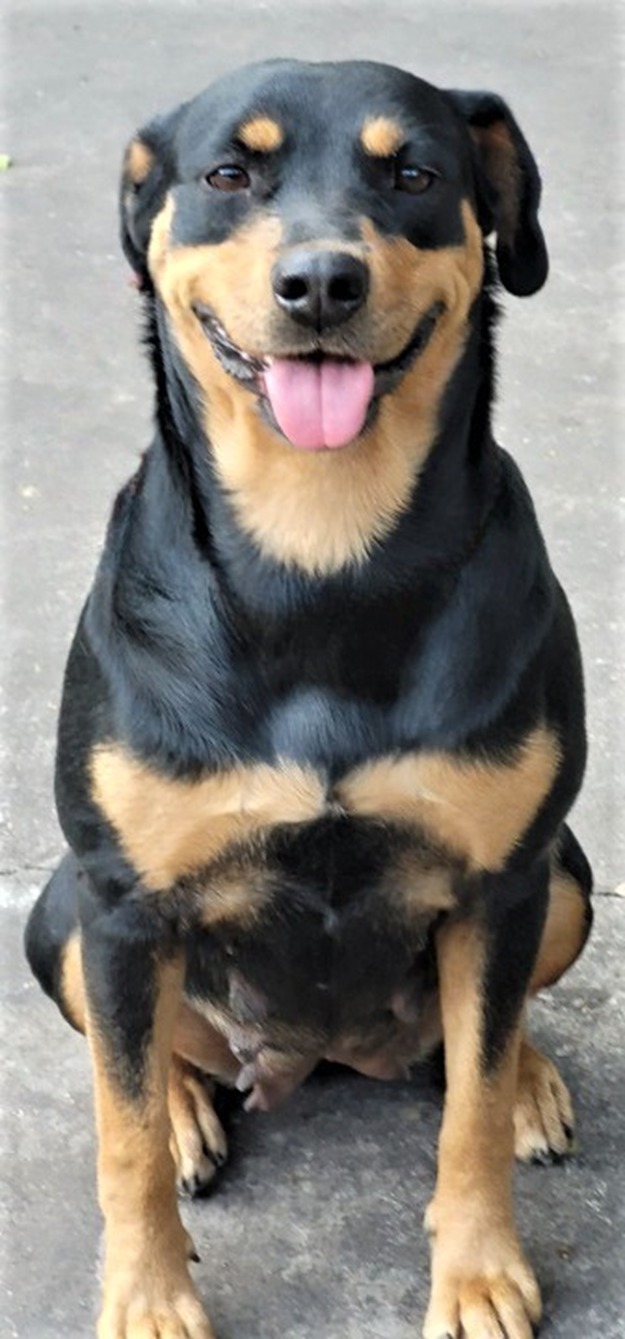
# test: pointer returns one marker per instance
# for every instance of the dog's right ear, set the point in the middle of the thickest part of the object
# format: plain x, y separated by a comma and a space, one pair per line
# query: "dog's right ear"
148, 170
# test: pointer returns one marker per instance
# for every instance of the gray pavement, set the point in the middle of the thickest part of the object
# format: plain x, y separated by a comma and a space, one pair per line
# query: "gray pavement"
316, 1232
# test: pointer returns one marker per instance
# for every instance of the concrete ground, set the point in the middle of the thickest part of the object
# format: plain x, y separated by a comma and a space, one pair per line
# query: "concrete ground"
316, 1233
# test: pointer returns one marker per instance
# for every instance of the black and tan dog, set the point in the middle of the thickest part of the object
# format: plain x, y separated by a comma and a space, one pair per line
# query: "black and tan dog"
323, 714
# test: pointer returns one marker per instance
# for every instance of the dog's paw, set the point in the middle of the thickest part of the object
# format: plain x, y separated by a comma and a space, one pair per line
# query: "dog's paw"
153, 1307
543, 1113
198, 1142
492, 1296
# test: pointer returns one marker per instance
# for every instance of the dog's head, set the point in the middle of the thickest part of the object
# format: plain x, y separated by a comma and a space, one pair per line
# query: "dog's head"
315, 233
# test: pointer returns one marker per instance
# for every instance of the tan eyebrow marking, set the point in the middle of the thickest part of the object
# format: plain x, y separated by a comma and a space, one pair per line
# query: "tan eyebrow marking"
138, 162
381, 136
261, 135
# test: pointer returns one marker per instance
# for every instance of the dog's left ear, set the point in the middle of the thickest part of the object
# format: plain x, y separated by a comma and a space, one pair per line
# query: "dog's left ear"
508, 190
148, 170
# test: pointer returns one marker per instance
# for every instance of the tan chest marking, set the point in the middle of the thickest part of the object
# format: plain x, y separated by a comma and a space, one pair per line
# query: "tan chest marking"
417, 887
477, 810
169, 828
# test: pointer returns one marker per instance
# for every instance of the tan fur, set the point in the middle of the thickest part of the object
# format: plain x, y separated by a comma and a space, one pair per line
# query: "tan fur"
261, 135
565, 932
196, 1045
138, 162
232, 278
146, 1281
284, 1040
417, 886
198, 1142
477, 1266
473, 808
235, 895
478, 1108
544, 1119
318, 510
169, 828
543, 1111
71, 982
381, 136
203, 1046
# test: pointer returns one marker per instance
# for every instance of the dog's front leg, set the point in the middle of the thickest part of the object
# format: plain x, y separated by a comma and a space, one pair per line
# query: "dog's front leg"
133, 989
482, 1287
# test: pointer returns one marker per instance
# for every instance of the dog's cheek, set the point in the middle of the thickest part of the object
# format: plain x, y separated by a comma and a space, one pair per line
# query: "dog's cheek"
453, 277
407, 281
231, 278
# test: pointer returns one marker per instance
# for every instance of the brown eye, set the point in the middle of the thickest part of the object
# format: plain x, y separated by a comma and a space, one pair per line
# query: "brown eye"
228, 178
416, 180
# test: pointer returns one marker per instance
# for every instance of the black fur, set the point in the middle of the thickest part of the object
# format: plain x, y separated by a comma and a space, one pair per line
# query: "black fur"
198, 652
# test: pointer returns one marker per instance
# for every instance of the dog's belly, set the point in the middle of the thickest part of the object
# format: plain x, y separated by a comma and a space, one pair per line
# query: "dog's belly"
330, 957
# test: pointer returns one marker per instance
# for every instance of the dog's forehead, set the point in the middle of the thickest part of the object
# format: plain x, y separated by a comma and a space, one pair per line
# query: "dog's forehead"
301, 98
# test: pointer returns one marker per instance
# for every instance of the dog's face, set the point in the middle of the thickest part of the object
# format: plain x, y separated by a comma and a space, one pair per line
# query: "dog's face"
315, 233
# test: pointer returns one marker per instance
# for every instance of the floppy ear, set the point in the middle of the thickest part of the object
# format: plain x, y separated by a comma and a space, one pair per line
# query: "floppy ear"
147, 173
508, 192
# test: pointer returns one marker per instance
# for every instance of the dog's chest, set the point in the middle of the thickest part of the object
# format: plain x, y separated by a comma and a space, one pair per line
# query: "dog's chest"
318, 942
472, 811
309, 894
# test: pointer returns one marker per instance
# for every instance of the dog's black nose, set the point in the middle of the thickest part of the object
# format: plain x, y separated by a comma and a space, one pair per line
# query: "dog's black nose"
320, 288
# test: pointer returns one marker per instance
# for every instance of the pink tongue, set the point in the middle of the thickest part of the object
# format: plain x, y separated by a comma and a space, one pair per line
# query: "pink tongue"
319, 404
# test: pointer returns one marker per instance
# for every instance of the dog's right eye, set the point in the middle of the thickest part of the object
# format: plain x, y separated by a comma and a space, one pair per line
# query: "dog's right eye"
230, 177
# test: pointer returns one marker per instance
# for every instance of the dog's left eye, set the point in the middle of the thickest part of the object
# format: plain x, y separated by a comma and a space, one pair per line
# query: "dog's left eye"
229, 177
416, 180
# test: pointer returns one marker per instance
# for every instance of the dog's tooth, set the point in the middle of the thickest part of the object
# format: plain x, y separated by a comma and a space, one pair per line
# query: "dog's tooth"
246, 1078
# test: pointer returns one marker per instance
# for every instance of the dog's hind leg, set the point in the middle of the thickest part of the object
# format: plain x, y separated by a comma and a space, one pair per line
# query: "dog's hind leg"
53, 947
52, 941
544, 1121
569, 914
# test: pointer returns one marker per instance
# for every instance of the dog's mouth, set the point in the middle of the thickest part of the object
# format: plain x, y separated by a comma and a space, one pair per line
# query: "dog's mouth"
318, 400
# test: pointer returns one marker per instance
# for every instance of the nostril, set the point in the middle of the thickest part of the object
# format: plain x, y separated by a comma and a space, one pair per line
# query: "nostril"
345, 288
292, 288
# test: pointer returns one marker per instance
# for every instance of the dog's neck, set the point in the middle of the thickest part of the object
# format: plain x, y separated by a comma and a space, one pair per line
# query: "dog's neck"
440, 524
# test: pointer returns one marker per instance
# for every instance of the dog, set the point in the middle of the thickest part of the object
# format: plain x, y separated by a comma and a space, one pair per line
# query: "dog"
323, 715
